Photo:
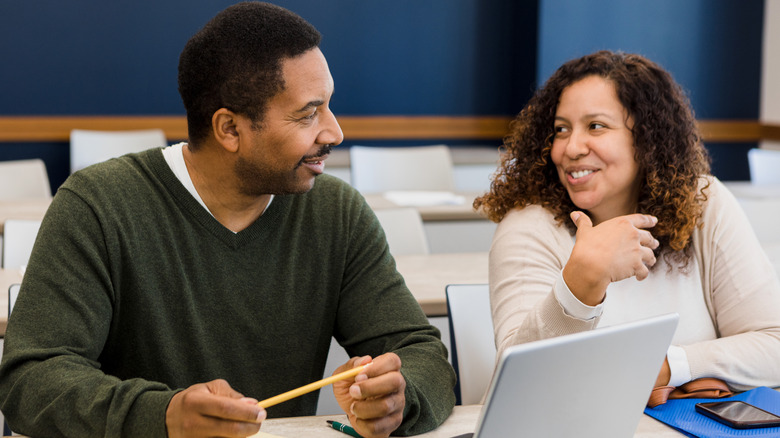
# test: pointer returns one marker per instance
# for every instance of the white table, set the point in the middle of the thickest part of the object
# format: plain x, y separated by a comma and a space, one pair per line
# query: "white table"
463, 420
23, 209
428, 275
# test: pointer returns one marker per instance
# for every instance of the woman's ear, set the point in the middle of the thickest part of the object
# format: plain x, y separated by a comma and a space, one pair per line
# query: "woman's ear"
224, 125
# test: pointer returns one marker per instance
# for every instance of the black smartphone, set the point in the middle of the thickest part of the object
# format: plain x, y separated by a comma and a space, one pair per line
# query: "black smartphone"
738, 414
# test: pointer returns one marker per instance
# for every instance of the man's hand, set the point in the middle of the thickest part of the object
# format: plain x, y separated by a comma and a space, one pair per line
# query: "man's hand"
374, 401
212, 409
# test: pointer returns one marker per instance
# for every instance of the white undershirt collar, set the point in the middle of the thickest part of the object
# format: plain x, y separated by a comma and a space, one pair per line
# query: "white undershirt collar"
174, 156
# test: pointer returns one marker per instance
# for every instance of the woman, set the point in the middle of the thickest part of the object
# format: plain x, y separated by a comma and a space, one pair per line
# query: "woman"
608, 213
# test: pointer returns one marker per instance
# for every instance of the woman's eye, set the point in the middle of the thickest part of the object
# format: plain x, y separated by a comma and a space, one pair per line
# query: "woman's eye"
595, 125
561, 129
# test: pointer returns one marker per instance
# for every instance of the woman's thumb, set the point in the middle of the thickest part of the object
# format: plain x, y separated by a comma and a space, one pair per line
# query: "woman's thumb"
580, 219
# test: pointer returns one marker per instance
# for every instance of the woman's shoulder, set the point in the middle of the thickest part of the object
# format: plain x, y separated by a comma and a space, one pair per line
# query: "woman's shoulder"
531, 228
720, 209
717, 195
532, 219
533, 212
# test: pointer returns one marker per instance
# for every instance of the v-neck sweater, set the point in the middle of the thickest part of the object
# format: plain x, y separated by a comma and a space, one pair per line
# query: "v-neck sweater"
134, 291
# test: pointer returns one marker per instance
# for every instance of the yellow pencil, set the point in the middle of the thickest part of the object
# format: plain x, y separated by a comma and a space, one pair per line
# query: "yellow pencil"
275, 400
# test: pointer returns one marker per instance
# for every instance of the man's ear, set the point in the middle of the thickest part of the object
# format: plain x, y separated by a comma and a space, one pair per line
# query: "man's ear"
224, 124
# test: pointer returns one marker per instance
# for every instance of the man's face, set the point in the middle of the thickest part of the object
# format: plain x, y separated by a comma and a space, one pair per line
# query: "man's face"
294, 138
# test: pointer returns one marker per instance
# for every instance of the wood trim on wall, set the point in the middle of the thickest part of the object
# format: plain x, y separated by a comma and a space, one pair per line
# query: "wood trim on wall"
736, 131
424, 127
770, 132
57, 128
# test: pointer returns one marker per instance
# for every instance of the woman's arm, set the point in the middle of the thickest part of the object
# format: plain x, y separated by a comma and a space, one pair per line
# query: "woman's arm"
528, 253
742, 292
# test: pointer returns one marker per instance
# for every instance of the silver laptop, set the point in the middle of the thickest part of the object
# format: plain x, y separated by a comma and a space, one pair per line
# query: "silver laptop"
590, 384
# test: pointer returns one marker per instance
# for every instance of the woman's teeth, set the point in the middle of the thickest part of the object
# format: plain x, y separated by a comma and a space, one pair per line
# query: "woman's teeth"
581, 173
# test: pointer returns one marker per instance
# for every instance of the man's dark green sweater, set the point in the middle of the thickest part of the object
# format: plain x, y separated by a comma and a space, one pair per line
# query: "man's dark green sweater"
135, 291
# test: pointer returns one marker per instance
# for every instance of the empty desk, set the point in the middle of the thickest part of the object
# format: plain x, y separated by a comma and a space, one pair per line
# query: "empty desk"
427, 275
450, 227
23, 209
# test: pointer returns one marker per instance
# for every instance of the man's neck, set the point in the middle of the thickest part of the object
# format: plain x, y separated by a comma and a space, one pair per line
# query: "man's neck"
212, 175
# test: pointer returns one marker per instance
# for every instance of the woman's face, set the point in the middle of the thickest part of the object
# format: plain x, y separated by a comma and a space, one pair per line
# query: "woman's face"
593, 149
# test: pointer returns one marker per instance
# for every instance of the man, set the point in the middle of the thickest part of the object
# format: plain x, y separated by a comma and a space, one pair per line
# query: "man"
170, 290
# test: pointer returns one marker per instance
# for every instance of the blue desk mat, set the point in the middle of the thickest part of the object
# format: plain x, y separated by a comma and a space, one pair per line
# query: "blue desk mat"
681, 415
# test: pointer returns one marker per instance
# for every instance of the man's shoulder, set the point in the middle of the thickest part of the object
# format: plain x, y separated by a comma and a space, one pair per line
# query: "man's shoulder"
330, 196
115, 176
333, 188
330, 182
121, 166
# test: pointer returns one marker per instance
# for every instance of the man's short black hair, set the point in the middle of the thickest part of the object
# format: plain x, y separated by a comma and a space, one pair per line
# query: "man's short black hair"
235, 62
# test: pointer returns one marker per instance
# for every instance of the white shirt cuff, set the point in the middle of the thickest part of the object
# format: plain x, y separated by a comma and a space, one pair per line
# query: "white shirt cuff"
571, 305
678, 364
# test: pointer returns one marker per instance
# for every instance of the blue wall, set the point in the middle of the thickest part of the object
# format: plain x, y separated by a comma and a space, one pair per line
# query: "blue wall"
468, 57
711, 47
407, 57
387, 57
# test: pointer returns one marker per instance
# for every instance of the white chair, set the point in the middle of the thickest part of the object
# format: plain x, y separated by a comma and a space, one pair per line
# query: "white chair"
13, 292
89, 147
404, 230
24, 179
762, 213
382, 169
18, 239
764, 166
472, 340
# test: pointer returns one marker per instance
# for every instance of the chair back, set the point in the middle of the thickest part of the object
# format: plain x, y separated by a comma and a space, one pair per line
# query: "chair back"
404, 230
18, 239
763, 165
89, 147
762, 214
24, 179
382, 169
13, 292
472, 340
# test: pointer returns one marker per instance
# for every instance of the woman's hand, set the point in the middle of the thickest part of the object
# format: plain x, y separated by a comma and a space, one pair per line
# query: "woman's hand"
611, 251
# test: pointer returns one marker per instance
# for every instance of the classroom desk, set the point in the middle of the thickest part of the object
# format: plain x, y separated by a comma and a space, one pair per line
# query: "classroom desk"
746, 189
427, 276
445, 212
448, 227
22, 209
462, 420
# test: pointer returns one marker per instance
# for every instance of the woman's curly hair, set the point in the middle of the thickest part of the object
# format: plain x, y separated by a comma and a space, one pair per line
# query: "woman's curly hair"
667, 143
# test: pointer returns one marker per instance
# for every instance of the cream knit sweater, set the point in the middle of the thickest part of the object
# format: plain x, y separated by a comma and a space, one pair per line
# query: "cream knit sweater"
740, 288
